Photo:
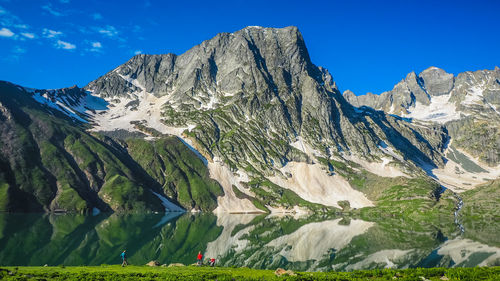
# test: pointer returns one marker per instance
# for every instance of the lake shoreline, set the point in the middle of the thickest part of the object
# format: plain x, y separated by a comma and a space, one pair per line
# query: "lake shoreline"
132, 272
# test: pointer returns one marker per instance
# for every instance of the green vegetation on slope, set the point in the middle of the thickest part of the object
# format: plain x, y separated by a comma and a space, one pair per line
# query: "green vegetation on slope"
181, 174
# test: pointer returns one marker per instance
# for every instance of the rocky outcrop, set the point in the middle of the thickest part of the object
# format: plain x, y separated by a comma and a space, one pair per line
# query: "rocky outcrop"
467, 104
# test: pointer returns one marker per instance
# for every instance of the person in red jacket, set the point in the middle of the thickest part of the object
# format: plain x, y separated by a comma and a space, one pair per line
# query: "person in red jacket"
200, 258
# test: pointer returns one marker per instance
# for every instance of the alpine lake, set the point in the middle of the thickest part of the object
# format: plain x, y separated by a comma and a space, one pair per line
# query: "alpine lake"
297, 242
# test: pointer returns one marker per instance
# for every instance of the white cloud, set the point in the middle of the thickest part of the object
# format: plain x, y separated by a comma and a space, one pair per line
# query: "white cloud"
49, 33
108, 30
65, 45
96, 47
5, 32
97, 16
50, 10
138, 52
28, 35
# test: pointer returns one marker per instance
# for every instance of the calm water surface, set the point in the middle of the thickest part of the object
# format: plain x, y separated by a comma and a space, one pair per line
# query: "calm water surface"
299, 243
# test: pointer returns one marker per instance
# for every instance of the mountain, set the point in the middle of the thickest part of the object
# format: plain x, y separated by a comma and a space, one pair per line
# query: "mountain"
467, 105
253, 104
243, 122
50, 162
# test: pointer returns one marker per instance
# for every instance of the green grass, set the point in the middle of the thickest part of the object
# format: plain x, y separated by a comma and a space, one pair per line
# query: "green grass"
115, 272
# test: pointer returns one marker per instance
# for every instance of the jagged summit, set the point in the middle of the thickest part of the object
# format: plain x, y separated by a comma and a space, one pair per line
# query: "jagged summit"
468, 105
438, 90
225, 63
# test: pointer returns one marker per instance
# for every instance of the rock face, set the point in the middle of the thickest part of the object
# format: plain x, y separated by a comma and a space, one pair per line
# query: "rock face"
468, 105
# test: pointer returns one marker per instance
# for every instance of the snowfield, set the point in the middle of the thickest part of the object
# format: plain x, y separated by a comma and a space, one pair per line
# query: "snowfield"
440, 110
314, 184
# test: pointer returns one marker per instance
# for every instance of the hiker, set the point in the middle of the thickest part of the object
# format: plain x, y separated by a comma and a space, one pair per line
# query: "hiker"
124, 259
200, 258
211, 262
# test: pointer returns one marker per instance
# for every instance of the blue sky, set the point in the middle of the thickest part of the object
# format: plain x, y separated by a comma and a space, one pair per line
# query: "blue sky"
366, 45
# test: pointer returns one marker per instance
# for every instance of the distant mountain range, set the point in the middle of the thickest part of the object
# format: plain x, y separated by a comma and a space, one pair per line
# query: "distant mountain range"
243, 122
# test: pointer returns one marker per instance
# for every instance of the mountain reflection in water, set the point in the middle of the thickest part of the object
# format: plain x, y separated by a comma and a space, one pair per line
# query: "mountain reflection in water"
258, 241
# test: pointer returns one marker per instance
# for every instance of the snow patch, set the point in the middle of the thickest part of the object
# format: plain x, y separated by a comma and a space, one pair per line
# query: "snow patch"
169, 206
229, 203
313, 184
306, 148
57, 105
191, 127
382, 169
133, 82
439, 110
147, 109
464, 180
474, 95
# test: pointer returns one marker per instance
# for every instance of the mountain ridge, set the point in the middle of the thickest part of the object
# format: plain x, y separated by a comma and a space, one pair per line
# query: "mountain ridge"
249, 110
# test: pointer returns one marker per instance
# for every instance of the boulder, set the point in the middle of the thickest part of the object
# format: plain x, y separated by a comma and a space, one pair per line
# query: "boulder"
153, 263
281, 271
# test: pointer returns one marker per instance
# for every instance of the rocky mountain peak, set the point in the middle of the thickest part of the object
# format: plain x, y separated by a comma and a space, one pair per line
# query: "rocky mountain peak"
255, 60
437, 82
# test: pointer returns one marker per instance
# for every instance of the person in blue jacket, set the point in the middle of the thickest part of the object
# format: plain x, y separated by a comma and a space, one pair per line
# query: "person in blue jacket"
124, 258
